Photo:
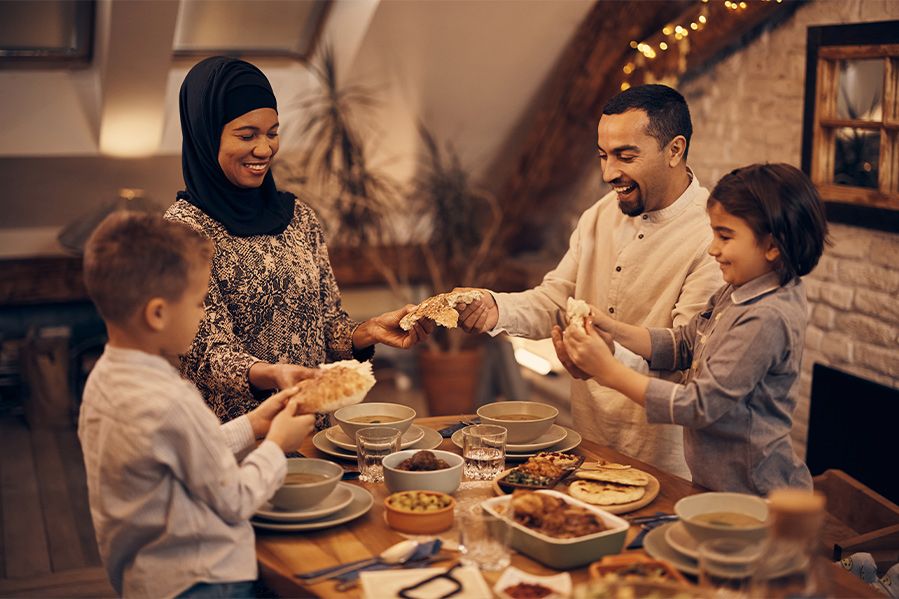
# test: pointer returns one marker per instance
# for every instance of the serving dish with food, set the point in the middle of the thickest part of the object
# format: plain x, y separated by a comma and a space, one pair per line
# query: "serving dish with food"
419, 512
542, 471
557, 529
423, 470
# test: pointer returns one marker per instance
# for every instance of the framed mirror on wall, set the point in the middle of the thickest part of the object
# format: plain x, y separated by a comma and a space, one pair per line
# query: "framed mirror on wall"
850, 131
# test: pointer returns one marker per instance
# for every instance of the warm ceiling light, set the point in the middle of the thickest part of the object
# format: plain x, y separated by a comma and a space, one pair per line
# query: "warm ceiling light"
667, 30
625, 86
663, 46
702, 19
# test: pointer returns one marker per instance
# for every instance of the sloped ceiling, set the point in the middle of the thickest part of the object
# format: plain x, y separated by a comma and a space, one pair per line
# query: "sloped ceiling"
469, 70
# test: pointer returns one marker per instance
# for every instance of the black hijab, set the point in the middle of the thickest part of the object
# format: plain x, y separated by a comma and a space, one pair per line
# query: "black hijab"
216, 91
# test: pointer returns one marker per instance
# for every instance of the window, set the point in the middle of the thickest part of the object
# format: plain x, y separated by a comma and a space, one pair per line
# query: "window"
851, 123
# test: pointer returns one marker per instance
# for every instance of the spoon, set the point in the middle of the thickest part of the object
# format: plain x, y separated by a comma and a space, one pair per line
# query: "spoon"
393, 555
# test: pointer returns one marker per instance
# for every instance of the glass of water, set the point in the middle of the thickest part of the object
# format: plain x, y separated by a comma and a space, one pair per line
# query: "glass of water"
483, 539
484, 451
726, 565
372, 445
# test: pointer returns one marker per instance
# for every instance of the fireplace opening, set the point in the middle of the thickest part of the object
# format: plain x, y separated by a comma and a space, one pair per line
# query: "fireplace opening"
854, 426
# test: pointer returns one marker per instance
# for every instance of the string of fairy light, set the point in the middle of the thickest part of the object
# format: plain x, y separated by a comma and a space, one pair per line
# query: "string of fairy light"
675, 36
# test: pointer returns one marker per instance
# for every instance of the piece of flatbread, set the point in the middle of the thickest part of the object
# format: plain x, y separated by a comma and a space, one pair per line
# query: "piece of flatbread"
599, 493
440, 308
601, 464
631, 476
577, 311
340, 384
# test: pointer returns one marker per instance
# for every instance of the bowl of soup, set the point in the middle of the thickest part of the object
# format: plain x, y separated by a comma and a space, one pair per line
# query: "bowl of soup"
378, 414
307, 483
731, 515
525, 421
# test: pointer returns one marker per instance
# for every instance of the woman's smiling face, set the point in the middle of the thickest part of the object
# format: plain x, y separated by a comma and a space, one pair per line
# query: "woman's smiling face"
247, 147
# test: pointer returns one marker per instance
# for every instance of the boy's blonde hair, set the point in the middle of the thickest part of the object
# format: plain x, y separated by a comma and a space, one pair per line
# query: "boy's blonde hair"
133, 257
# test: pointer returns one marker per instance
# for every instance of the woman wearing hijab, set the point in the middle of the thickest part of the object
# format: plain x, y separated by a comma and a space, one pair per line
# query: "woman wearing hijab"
273, 312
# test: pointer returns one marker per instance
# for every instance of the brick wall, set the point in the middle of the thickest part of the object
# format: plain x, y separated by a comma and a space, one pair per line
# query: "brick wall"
748, 108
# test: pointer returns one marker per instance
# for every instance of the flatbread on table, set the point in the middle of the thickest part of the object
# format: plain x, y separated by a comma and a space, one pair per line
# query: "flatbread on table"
600, 493
601, 464
340, 384
630, 476
440, 308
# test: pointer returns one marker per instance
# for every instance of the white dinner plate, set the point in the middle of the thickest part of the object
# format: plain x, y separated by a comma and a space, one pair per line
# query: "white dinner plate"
430, 440
680, 539
551, 437
336, 501
339, 438
359, 505
571, 440
656, 545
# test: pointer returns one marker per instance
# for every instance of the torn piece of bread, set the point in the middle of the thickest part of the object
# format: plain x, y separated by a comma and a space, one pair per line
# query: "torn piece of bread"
340, 384
577, 312
440, 308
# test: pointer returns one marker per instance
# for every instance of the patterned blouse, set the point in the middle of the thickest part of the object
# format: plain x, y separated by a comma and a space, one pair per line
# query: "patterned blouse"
272, 298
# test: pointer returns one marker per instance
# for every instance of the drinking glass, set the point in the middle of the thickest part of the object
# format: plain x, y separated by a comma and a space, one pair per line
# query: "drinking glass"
483, 539
372, 445
726, 565
484, 451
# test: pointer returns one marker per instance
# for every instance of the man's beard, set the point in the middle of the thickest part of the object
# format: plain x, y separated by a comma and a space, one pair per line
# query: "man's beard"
632, 207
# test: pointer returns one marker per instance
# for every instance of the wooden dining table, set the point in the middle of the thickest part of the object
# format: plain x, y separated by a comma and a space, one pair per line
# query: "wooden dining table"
282, 555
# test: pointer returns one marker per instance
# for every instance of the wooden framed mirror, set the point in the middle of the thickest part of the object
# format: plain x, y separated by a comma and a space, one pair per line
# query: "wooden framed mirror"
850, 134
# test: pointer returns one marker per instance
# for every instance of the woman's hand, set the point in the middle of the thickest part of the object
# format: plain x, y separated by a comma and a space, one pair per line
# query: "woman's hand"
588, 350
262, 415
386, 329
279, 376
288, 428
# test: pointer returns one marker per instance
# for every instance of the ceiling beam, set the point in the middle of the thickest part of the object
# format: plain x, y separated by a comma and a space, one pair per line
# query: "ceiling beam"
136, 56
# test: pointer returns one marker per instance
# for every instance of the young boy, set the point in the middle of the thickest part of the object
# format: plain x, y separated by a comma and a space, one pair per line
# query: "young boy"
169, 500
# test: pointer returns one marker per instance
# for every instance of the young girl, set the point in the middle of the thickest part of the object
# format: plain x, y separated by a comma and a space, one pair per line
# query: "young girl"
744, 351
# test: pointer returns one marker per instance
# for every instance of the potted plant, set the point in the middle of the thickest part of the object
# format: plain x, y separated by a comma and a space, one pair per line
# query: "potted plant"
462, 223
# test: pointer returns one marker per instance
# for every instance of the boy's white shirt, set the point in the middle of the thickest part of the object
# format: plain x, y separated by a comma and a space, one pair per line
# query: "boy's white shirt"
666, 276
169, 501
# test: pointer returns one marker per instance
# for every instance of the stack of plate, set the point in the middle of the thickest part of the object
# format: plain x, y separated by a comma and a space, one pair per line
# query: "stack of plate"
347, 502
557, 438
335, 442
673, 543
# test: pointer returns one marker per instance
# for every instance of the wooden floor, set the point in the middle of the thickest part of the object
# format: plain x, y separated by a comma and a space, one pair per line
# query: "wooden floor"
47, 546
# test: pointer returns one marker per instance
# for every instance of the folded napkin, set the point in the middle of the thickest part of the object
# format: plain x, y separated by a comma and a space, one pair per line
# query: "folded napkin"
419, 559
447, 432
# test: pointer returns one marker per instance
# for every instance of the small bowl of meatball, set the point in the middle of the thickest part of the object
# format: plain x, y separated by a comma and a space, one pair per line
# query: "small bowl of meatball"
423, 470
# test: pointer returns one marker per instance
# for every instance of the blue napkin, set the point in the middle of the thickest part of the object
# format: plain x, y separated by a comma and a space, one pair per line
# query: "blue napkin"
447, 432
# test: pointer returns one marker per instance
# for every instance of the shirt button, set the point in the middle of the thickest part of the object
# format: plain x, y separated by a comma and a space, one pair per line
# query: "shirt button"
611, 310
617, 269
640, 236
645, 216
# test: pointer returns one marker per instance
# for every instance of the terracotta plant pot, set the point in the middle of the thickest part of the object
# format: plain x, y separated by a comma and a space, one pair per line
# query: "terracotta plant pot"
450, 380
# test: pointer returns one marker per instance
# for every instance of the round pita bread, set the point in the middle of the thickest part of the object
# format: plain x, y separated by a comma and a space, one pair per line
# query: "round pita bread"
599, 493
631, 476
601, 464
340, 384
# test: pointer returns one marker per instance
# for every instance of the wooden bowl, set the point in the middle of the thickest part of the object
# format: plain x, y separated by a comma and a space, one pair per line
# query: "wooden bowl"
419, 522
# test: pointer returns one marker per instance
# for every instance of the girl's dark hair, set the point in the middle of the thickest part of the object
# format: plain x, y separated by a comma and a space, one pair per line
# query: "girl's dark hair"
778, 200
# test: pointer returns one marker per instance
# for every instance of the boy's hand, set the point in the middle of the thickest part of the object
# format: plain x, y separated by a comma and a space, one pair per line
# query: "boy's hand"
603, 323
261, 416
480, 315
288, 428
562, 354
588, 350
